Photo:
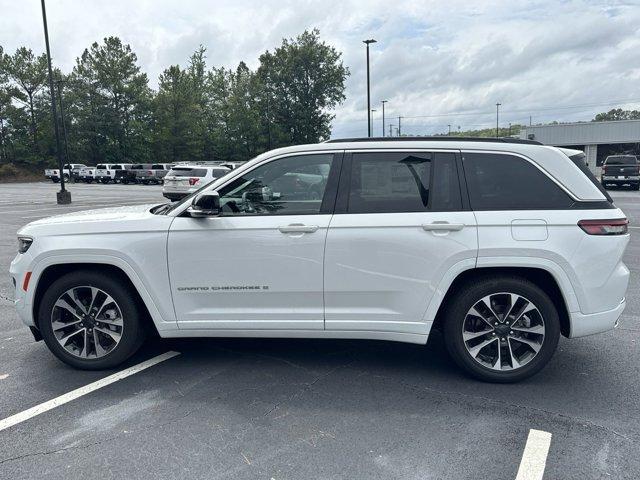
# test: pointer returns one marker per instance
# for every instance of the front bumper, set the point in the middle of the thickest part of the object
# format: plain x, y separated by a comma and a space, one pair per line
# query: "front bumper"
583, 325
17, 270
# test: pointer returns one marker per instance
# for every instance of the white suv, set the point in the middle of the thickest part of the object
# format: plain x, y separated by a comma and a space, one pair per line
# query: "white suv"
502, 245
185, 179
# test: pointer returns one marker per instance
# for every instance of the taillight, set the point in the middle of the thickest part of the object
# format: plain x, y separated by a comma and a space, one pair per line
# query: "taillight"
193, 181
604, 169
618, 226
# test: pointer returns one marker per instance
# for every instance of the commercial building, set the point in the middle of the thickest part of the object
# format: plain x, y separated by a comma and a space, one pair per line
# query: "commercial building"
597, 139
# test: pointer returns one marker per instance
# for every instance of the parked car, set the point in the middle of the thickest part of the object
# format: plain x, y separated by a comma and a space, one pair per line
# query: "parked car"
53, 174
154, 174
87, 174
182, 180
110, 172
619, 170
503, 245
131, 175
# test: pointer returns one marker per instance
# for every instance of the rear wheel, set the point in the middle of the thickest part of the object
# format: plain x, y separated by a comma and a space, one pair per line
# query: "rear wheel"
501, 329
90, 321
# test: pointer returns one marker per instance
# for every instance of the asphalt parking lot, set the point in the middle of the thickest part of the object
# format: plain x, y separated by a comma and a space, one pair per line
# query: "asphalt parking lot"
289, 409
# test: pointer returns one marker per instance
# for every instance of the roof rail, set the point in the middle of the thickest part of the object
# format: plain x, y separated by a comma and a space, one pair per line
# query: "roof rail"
439, 138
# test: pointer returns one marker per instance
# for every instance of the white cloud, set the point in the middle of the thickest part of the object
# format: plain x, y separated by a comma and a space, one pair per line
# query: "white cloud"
432, 57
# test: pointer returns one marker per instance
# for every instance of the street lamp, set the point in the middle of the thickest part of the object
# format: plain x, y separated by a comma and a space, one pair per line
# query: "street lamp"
367, 42
497, 118
383, 102
63, 196
373, 110
59, 83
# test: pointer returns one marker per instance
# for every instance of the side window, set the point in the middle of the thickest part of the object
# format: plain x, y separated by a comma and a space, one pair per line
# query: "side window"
388, 182
506, 182
288, 186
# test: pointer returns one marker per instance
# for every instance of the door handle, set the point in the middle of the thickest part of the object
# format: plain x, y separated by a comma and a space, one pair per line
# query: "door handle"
443, 227
298, 228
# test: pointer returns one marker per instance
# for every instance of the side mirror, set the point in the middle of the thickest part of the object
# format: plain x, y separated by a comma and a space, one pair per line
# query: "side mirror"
206, 204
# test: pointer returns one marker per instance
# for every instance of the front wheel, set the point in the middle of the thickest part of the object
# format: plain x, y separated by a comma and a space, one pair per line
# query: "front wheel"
90, 321
501, 329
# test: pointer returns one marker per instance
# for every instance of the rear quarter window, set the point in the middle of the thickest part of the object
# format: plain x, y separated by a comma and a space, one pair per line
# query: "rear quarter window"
507, 182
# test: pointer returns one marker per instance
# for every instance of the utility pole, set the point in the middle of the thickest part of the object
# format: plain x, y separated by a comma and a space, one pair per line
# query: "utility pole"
399, 126
367, 42
449, 129
63, 196
64, 126
383, 102
497, 119
529, 120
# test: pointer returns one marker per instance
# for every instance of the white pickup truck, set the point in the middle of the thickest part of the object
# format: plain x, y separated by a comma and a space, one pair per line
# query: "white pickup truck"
106, 172
53, 174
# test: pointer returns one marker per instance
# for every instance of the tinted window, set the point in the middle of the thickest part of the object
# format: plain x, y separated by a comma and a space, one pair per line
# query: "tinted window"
445, 195
387, 182
218, 172
621, 160
188, 172
157, 166
280, 187
507, 182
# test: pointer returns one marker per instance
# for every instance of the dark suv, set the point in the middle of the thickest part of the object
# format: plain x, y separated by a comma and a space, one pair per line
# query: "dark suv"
621, 170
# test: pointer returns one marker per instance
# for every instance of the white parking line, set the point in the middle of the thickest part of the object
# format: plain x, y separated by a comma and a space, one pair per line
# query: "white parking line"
79, 392
534, 457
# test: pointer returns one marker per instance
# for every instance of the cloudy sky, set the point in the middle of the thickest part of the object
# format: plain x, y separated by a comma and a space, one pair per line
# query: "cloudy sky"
436, 62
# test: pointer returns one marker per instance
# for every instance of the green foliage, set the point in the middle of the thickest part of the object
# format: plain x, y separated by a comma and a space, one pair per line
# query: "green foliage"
617, 114
489, 132
198, 113
8, 171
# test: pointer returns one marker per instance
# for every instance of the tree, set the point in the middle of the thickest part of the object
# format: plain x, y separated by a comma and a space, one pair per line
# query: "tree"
113, 102
617, 114
300, 82
28, 75
175, 117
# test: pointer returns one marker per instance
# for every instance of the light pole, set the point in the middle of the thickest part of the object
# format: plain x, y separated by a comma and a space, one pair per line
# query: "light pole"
399, 125
63, 196
497, 118
367, 42
373, 110
383, 102
64, 126
449, 129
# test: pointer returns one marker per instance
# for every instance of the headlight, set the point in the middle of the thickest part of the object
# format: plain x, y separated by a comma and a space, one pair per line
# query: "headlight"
24, 243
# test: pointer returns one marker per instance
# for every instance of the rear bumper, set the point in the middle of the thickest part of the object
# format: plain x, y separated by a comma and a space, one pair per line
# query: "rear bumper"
583, 325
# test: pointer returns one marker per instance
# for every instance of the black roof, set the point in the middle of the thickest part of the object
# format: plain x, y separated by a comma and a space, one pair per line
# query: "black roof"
439, 138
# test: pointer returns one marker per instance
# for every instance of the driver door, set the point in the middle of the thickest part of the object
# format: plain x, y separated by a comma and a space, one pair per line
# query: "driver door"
259, 265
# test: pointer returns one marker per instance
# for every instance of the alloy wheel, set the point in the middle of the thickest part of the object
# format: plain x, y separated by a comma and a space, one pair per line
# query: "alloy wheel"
503, 331
87, 322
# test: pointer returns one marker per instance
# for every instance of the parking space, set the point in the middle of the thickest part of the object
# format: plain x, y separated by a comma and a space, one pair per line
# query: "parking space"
249, 408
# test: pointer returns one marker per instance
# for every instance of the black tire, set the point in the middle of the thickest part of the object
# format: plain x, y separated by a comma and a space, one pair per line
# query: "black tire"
635, 187
467, 296
133, 332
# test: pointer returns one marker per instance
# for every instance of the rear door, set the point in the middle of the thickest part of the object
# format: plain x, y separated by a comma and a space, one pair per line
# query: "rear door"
401, 224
